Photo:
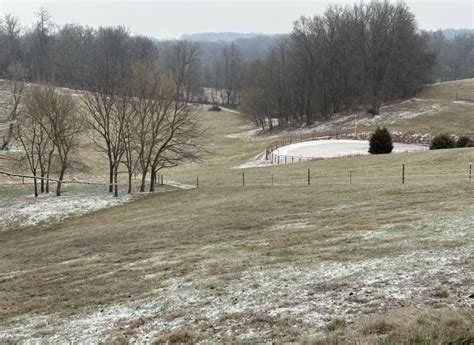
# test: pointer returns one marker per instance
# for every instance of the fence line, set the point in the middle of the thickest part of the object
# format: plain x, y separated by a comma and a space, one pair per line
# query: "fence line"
50, 179
399, 174
392, 175
402, 138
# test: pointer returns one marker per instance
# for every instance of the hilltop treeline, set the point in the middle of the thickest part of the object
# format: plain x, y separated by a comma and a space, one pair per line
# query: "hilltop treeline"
348, 56
64, 55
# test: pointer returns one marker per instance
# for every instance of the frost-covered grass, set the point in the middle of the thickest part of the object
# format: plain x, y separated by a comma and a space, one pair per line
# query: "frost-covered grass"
26, 211
223, 263
253, 289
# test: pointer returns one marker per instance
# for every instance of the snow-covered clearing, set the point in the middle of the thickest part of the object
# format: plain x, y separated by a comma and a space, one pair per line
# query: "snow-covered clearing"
18, 212
332, 148
305, 295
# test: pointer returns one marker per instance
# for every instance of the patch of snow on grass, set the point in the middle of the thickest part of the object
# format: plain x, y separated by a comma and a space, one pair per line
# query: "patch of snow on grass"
463, 102
18, 213
178, 185
258, 161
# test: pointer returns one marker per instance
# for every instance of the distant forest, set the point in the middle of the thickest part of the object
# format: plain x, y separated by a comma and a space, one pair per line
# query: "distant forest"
348, 56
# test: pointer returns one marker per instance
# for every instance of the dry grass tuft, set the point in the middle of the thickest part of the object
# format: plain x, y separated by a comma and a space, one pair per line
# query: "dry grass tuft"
336, 324
177, 314
377, 326
406, 326
177, 337
441, 293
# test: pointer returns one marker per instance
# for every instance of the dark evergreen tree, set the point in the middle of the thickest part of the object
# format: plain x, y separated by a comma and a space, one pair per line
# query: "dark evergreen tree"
381, 142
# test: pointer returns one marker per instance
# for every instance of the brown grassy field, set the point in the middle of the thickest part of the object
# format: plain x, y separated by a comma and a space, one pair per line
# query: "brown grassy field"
374, 261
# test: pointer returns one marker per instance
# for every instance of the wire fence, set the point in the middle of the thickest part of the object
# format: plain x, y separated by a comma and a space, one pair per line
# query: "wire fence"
343, 176
276, 158
392, 175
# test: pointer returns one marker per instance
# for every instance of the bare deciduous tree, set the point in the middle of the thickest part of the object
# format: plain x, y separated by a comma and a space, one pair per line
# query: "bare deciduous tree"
231, 68
11, 102
167, 128
58, 117
107, 74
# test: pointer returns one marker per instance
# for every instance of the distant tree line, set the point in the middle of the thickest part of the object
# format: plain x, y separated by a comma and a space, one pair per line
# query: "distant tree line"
65, 55
454, 57
346, 57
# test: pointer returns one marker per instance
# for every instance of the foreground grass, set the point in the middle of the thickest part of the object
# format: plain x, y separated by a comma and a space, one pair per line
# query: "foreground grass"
327, 262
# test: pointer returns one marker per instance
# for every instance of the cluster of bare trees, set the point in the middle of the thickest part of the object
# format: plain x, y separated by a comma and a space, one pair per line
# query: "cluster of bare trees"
134, 99
348, 56
143, 123
139, 110
224, 75
62, 55
455, 57
11, 97
48, 129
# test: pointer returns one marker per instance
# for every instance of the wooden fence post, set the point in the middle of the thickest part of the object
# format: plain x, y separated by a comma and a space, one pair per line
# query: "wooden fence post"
309, 177
197, 181
243, 179
272, 180
403, 173
350, 176
161, 179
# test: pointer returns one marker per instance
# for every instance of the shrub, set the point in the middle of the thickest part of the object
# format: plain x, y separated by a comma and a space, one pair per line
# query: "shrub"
442, 141
381, 141
463, 141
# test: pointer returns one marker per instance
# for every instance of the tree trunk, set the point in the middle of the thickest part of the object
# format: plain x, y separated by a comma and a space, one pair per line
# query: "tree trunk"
48, 169
111, 177
143, 183
60, 179
152, 180
130, 182
115, 176
35, 184
42, 181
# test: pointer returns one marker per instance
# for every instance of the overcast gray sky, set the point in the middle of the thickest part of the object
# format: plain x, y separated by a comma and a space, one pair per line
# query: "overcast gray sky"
170, 19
